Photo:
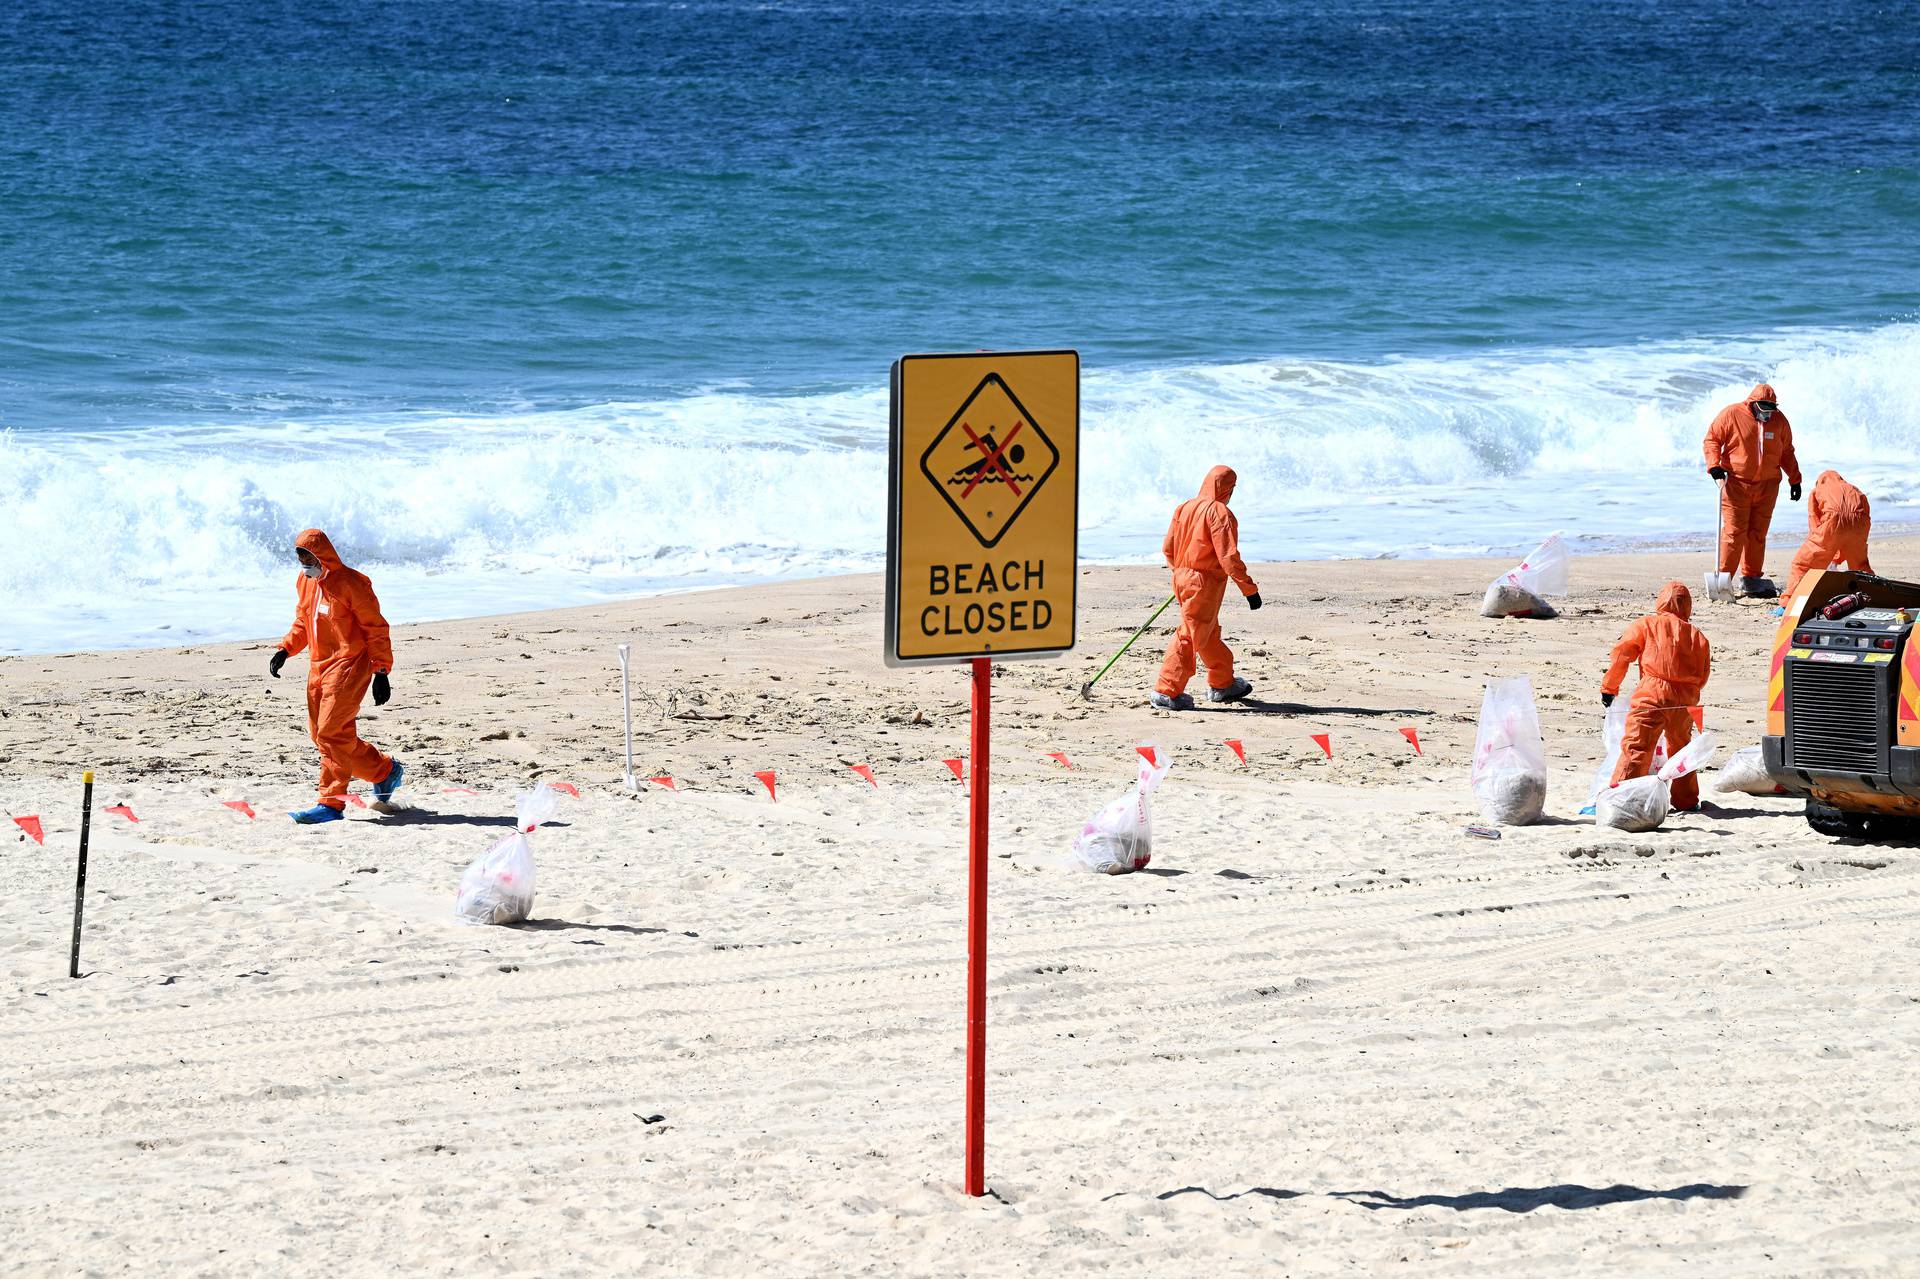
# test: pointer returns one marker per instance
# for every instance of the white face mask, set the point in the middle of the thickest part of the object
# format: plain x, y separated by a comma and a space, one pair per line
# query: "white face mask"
1765, 415
311, 570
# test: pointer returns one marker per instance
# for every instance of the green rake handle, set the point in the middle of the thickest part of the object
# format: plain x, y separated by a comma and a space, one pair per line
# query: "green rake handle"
1086, 689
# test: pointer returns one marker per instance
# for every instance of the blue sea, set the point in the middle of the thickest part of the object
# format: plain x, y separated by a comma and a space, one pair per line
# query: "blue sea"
537, 302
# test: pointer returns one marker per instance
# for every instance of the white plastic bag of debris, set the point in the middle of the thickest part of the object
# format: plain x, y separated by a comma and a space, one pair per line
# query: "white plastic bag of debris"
1612, 731
1509, 759
498, 887
1522, 591
1118, 839
1745, 773
1642, 803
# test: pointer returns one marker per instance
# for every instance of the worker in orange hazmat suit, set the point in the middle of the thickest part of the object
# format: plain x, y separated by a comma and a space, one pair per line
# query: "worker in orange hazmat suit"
1202, 547
1748, 446
1675, 660
1838, 520
337, 619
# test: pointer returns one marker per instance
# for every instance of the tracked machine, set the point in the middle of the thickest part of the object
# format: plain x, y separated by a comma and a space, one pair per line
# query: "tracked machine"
1843, 704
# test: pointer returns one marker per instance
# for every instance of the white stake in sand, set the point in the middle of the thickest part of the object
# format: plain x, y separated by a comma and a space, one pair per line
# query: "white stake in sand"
626, 702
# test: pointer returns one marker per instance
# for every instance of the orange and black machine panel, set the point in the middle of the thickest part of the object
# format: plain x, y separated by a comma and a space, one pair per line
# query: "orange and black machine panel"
1843, 698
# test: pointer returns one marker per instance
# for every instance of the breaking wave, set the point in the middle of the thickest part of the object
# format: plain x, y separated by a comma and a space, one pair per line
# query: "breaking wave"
127, 537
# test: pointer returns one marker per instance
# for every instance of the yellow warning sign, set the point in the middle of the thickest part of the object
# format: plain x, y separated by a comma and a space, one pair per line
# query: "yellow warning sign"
983, 511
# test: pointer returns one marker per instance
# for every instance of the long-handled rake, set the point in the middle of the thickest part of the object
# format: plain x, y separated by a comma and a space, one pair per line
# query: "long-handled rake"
1086, 689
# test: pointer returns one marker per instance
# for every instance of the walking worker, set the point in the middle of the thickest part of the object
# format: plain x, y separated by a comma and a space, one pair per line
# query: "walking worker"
337, 619
1748, 446
1838, 521
1675, 660
1202, 548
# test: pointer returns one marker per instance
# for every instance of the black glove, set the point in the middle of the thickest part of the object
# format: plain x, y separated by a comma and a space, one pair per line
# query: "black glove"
1606, 699
1253, 601
1793, 493
275, 662
381, 689
1717, 472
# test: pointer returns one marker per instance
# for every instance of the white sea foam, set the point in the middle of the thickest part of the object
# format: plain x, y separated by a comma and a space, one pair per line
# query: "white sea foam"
156, 536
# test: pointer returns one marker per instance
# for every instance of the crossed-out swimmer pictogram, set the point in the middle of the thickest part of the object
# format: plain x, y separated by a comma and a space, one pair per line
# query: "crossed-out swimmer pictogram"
993, 456
989, 474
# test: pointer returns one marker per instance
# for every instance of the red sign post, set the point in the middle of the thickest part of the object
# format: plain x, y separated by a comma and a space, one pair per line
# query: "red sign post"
982, 567
977, 932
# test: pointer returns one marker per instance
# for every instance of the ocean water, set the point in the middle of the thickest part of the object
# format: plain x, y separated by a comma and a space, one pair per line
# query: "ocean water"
532, 303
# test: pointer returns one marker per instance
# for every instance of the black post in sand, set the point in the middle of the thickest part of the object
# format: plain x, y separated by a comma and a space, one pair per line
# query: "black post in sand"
80, 885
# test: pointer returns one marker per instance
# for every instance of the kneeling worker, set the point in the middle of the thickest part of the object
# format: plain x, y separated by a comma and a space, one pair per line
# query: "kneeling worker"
1675, 660
1748, 446
338, 619
1202, 548
1838, 520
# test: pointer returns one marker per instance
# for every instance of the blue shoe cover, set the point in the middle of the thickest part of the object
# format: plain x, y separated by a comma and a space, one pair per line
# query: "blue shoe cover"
317, 814
383, 791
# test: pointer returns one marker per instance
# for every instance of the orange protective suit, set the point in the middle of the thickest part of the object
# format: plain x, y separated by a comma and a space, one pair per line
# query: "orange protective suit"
1202, 547
1838, 519
338, 618
1675, 660
1754, 456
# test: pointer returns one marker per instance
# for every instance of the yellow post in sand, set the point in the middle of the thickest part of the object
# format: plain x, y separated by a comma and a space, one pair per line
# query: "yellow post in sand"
80, 885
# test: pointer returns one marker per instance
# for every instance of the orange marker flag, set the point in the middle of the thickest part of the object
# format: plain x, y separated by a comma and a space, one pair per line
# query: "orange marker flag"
1146, 753
959, 769
124, 811
1238, 748
1413, 737
240, 806
568, 787
31, 825
1061, 756
766, 779
356, 801
1699, 714
864, 771
663, 780
1325, 742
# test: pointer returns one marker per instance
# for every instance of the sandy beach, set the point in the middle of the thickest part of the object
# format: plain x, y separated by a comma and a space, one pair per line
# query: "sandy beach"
1325, 1032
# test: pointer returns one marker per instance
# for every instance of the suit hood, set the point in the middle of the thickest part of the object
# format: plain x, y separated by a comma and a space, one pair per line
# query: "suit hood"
1846, 505
1218, 486
1676, 599
1763, 391
316, 544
